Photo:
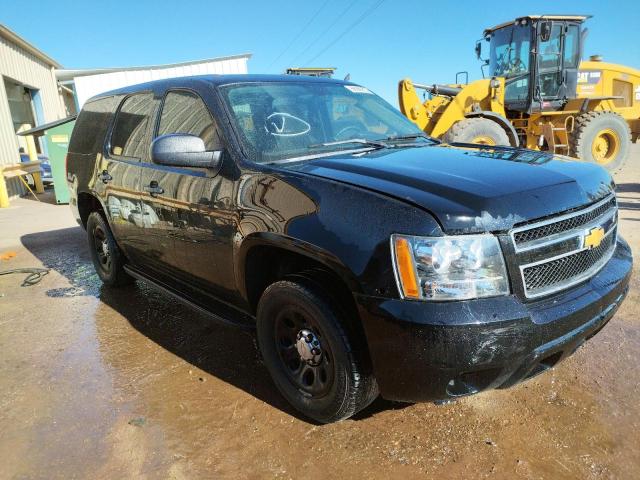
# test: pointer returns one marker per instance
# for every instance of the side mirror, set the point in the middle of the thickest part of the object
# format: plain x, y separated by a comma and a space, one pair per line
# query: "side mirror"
183, 150
545, 31
478, 49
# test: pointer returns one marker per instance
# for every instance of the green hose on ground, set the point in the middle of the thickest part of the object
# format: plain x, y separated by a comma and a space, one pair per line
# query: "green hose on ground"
33, 277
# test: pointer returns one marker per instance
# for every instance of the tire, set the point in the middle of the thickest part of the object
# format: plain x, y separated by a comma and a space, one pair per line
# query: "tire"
477, 130
601, 137
340, 383
107, 259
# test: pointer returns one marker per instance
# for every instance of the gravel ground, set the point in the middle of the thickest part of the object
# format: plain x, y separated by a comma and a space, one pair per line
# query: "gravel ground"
97, 383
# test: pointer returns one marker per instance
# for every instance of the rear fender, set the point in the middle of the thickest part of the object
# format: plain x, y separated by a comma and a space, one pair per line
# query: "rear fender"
87, 201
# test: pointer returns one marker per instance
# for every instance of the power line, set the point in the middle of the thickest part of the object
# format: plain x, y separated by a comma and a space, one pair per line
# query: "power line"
359, 20
325, 31
302, 30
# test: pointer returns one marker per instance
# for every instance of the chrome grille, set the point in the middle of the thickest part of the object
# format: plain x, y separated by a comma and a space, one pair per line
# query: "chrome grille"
553, 254
563, 225
557, 271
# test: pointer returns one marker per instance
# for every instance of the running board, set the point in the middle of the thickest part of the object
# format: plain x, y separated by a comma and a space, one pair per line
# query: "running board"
232, 317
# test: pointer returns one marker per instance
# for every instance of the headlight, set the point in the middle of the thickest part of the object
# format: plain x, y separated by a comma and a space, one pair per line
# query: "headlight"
449, 268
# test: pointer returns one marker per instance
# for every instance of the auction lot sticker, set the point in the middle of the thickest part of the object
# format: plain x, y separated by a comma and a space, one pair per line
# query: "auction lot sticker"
357, 89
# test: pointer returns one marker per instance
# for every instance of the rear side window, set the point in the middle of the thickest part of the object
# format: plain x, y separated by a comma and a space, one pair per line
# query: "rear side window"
185, 112
129, 137
92, 125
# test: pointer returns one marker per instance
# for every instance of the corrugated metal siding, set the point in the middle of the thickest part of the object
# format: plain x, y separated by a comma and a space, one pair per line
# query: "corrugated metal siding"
90, 85
20, 65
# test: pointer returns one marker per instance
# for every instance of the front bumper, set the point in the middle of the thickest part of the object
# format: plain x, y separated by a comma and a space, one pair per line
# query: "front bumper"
424, 351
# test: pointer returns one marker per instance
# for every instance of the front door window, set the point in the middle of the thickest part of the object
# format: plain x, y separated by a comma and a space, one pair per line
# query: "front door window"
550, 64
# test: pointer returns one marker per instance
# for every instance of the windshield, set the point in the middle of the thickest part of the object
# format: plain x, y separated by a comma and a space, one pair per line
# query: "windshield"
285, 120
509, 58
509, 52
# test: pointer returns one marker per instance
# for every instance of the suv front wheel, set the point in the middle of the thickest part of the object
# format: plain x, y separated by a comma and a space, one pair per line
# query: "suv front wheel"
309, 354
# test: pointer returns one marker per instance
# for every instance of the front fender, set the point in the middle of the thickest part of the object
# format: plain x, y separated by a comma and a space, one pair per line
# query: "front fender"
345, 227
293, 245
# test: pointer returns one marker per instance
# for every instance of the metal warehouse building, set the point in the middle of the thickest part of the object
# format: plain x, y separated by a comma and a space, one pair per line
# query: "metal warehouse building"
89, 82
29, 96
36, 90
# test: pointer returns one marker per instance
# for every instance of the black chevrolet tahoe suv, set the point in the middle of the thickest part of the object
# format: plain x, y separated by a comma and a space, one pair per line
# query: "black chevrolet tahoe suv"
370, 258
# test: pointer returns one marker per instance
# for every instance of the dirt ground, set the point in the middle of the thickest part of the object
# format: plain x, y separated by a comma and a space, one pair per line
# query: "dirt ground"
96, 383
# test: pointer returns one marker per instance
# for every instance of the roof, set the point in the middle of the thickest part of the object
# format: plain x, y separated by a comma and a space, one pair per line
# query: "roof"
574, 18
70, 74
40, 129
16, 39
216, 80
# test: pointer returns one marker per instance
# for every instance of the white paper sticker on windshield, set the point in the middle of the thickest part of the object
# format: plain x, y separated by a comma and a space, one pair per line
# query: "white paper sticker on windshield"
357, 89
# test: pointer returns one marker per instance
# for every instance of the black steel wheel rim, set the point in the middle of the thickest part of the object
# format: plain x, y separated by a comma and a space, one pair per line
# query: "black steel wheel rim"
102, 248
311, 380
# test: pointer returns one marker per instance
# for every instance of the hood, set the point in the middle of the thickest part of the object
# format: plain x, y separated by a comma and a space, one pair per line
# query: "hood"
471, 189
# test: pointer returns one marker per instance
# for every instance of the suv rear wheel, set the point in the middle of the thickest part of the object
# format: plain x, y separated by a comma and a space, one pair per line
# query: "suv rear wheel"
107, 258
309, 354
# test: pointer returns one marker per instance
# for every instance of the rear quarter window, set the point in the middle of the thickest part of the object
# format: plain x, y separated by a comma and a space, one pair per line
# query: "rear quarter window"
91, 126
130, 135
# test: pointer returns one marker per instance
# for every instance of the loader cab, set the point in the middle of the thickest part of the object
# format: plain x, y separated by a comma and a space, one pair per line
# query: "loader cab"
538, 56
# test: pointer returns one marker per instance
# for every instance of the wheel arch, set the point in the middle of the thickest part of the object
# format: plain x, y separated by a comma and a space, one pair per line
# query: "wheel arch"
500, 120
87, 203
267, 257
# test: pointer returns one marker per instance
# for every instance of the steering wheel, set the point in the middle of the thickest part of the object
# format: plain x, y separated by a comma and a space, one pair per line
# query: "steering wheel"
516, 65
343, 134
355, 129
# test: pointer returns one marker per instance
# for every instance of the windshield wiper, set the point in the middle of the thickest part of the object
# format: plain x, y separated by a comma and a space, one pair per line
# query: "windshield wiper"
361, 141
412, 136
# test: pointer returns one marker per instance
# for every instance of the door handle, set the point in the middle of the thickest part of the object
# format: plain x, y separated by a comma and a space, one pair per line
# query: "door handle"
154, 189
105, 177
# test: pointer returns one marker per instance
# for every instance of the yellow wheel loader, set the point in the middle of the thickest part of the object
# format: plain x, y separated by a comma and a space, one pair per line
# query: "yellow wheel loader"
537, 95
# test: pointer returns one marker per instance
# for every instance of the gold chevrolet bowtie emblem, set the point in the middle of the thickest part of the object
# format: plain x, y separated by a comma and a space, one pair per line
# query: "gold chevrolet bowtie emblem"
594, 238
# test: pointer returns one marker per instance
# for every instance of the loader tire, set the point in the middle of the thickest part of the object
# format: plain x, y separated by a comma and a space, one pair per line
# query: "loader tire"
477, 130
601, 137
